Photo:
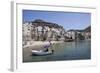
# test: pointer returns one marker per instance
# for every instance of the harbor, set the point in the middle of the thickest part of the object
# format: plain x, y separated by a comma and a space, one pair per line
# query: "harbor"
80, 50
55, 36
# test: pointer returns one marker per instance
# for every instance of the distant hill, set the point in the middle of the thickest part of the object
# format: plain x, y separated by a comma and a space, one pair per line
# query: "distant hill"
39, 22
76, 30
88, 29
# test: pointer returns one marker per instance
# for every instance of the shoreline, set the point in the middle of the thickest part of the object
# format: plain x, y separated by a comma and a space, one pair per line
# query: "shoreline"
40, 43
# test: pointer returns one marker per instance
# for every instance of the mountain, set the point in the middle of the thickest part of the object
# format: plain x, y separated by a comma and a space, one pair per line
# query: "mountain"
88, 29
39, 22
76, 30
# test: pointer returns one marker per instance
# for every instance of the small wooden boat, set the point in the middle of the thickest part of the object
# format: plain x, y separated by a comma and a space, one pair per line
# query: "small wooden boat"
68, 40
41, 52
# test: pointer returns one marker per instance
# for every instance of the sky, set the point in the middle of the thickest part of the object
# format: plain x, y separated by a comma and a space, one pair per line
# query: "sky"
69, 20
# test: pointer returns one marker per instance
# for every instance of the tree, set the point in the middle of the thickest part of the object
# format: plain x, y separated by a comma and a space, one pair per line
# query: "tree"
81, 37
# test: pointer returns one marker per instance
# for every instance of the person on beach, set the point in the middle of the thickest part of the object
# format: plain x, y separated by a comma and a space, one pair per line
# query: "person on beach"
47, 46
51, 47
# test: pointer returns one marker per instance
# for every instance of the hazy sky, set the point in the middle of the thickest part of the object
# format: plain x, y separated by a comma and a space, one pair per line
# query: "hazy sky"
69, 20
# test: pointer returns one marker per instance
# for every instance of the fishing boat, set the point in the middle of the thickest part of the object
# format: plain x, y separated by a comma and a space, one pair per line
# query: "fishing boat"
68, 40
41, 52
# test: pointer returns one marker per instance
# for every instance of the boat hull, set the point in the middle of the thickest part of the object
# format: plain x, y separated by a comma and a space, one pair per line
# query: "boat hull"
41, 53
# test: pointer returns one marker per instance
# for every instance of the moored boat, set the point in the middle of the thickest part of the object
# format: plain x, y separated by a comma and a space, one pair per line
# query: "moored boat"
41, 52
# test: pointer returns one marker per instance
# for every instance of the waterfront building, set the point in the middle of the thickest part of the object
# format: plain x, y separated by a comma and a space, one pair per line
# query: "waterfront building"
39, 30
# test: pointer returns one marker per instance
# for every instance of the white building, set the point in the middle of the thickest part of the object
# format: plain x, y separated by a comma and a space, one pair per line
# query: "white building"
41, 31
26, 31
71, 34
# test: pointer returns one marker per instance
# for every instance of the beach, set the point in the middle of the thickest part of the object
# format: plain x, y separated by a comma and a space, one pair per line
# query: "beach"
39, 44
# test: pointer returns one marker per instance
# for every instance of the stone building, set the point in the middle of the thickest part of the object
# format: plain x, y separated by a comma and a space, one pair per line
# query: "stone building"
79, 34
39, 30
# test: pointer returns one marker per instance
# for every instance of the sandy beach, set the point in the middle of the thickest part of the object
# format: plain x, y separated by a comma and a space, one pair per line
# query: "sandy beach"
40, 43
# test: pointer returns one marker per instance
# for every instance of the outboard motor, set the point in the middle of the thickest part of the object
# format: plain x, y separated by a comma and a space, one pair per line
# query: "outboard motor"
52, 51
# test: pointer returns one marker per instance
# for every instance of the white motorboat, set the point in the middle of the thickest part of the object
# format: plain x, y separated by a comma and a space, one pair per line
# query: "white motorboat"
41, 52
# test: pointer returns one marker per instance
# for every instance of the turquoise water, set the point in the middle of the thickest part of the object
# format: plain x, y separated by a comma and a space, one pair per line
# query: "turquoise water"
79, 50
